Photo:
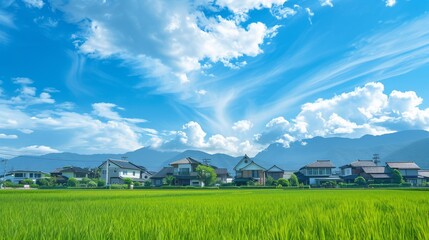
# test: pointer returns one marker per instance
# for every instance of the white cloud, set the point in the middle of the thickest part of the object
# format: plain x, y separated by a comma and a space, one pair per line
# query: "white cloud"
5, 136
365, 110
170, 42
105, 110
324, 3
390, 3
242, 126
22, 81
310, 14
281, 12
240, 7
34, 3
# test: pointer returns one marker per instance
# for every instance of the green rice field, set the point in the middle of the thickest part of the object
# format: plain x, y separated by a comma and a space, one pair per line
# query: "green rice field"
214, 214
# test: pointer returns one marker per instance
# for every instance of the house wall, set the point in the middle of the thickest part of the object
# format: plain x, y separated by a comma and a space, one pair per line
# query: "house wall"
113, 172
346, 171
275, 175
408, 172
316, 171
25, 175
129, 173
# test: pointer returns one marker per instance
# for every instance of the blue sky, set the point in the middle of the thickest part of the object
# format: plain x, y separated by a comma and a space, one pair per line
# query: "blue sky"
104, 76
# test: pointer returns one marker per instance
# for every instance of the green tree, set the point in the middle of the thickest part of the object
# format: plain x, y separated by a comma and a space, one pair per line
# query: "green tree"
270, 181
27, 181
85, 180
72, 182
397, 176
91, 184
169, 180
206, 174
101, 183
293, 180
147, 183
283, 182
128, 181
360, 181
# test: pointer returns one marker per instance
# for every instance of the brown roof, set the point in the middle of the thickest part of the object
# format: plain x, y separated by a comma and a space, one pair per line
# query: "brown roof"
403, 165
320, 164
370, 170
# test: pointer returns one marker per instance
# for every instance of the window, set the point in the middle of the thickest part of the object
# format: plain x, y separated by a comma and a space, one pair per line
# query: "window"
31, 175
125, 172
19, 175
103, 172
134, 173
255, 173
37, 175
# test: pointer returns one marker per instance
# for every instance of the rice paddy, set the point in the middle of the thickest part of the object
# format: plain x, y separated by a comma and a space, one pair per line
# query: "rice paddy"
214, 214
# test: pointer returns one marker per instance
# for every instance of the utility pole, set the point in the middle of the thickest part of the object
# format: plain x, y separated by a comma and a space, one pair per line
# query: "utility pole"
206, 161
4, 171
107, 172
376, 158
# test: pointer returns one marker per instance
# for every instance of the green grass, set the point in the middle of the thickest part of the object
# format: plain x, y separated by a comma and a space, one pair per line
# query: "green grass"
214, 214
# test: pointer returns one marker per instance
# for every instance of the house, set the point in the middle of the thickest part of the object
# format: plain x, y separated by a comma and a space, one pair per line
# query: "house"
376, 174
247, 170
184, 172
114, 171
317, 173
275, 172
423, 176
71, 172
158, 178
353, 170
408, 170
19, 175
222, 175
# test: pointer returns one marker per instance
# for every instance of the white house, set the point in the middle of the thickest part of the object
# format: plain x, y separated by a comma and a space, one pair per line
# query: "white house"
19, 175
119, 169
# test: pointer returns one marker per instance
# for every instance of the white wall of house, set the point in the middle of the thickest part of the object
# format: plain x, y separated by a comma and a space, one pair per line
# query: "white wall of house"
346, 171
183, 168
112, 173
19, 176
129, 173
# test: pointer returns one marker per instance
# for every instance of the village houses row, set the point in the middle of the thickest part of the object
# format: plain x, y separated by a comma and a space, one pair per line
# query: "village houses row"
245, 171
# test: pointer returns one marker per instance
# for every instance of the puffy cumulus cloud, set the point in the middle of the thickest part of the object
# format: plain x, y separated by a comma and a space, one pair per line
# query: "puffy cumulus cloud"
163, 39
241, 7
390, 3
242, 126
366, 110
27, 95
325, 3
281, 12
5, 136
192, 136
34, 3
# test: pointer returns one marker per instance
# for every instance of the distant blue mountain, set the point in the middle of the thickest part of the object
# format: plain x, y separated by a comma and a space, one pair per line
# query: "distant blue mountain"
400, 146
340, 150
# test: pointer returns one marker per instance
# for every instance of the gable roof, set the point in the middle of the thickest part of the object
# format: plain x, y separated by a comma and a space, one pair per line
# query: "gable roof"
122, 164
424, 173
372, 170
243, 162
275, 168
320, 164
252, 166
72, 169
360, 163
164, 172
403, 165
187, 160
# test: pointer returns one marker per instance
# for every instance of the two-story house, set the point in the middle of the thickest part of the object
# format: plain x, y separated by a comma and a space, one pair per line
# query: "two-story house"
408, 170
247, 170
317, 173
18, 175
115, 171
184, 172
353, 170
71, 172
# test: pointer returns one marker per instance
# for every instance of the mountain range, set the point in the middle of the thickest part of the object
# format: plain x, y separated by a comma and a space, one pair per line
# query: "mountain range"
412, 145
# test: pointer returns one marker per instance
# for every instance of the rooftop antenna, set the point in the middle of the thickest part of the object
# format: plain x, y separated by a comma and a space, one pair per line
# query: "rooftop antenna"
376, 158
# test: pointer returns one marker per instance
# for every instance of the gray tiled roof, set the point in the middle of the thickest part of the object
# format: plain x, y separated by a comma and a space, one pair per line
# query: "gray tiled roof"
187, 160
221, 171
321, 164
424, 173
379, 175
275, 168
124, 164
164, 172
360, 163
403, 165
371, 170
